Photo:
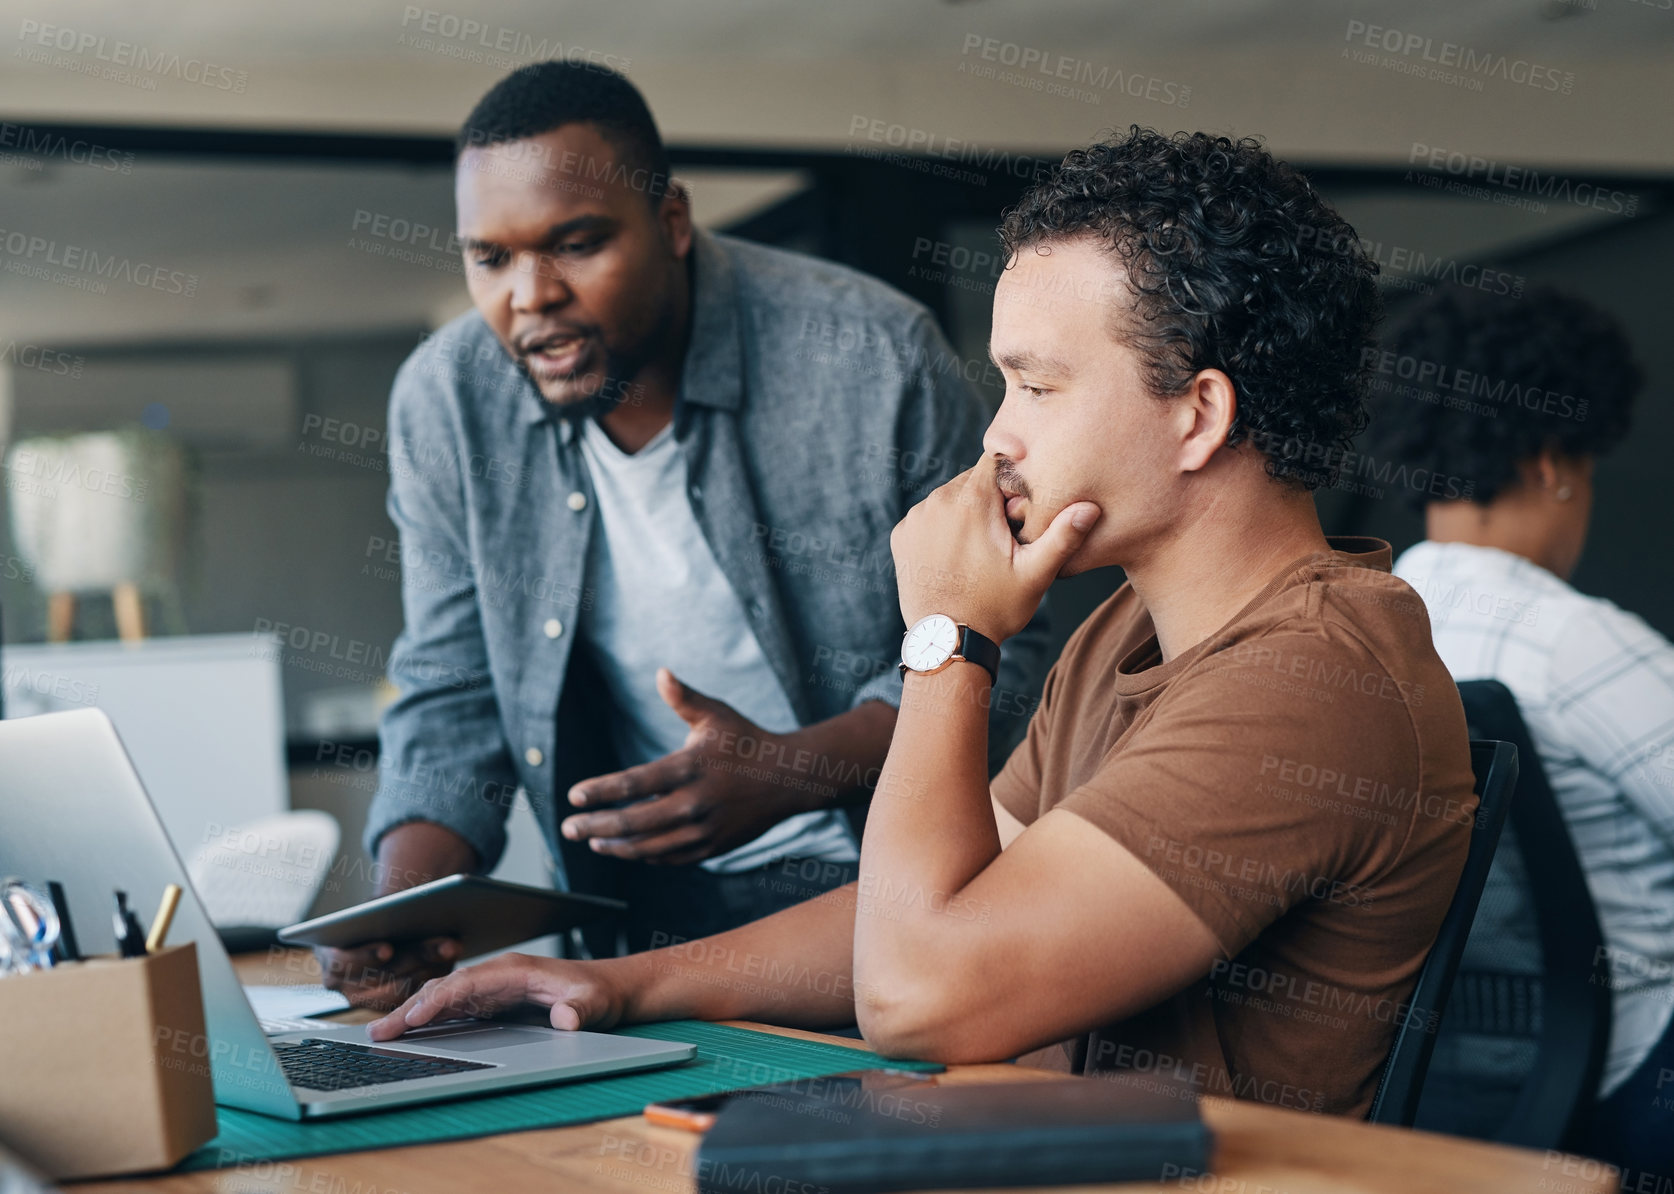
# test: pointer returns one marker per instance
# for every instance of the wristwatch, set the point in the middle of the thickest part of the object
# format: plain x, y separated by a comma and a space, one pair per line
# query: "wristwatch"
937, 640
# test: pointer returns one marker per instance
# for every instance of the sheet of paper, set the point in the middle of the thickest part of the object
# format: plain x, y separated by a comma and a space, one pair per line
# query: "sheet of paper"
287, 1003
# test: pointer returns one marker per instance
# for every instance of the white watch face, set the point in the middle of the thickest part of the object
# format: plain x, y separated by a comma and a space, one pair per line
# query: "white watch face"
930, 643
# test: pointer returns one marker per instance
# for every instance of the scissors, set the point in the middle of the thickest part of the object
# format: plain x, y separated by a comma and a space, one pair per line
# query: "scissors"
28, 928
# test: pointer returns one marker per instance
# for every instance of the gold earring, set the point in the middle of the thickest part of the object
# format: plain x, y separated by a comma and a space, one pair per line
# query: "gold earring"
1564, 493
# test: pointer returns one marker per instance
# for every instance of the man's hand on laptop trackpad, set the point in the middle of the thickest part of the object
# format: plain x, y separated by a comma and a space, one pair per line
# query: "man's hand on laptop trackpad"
379, 975
578, 994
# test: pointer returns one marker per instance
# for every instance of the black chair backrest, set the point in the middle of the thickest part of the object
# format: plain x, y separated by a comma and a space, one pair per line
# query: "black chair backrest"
1495, 767
1569, 998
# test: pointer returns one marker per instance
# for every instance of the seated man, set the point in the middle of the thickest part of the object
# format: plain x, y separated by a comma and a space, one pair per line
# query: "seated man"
1223, 849
1595, 683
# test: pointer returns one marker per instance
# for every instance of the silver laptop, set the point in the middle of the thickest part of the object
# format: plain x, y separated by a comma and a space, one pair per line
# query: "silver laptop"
72, 809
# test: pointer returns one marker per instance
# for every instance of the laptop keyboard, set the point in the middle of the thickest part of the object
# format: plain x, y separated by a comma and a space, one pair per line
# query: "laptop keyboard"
340, 1065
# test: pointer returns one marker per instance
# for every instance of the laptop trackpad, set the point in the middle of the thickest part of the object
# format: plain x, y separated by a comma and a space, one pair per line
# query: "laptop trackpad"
476, 1038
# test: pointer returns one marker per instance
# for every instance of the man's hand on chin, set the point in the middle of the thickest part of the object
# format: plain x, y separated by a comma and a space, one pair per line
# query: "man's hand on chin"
955, 555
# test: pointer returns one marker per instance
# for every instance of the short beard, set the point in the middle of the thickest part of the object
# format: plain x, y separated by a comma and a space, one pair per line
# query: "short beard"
611, 394
1006, 477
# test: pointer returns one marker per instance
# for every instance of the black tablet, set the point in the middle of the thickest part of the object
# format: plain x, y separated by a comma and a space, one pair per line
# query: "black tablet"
482, 914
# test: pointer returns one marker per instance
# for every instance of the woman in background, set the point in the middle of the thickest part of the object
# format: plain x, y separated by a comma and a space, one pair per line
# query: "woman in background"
1518, 399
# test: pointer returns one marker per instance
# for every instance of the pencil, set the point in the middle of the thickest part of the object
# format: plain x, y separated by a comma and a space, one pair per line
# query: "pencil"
165, 916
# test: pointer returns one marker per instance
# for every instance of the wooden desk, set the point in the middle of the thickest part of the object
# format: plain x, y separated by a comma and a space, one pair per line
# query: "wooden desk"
1259, 1150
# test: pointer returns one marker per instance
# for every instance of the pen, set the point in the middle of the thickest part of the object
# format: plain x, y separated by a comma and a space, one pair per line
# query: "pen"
130, 938
165, 916
68, 950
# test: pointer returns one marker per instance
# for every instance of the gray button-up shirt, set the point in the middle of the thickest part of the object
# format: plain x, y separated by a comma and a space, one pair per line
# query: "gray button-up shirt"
817, 406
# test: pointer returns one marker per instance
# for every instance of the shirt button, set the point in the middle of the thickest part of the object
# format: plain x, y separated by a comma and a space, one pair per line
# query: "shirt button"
533, 756
553, 628
697, 493
577, 501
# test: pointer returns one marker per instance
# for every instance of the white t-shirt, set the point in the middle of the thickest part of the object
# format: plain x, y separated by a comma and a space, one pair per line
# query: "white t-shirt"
1595, 685
659, 599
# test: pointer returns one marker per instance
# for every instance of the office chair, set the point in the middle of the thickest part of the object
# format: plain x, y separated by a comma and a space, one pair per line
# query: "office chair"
1522, 1040
256, 878
1495, 767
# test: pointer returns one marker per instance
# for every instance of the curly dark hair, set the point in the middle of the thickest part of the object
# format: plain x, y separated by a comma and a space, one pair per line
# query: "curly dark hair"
1236, 264
1471, 385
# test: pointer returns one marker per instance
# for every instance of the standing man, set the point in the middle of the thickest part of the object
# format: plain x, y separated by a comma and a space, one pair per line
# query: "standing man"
644, 492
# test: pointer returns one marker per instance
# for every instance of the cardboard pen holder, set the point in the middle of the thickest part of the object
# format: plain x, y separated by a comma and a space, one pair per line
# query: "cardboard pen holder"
93, 1079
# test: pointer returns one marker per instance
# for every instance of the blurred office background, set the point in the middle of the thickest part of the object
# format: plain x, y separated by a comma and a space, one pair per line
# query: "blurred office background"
226, 237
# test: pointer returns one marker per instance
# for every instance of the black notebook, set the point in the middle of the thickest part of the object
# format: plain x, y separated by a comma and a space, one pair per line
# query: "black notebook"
845, 1139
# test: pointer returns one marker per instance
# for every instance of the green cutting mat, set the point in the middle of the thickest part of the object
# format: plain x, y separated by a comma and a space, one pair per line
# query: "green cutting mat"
727, 1058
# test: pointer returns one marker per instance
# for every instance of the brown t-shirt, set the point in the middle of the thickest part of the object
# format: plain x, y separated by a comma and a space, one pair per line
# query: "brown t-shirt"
1302, 780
